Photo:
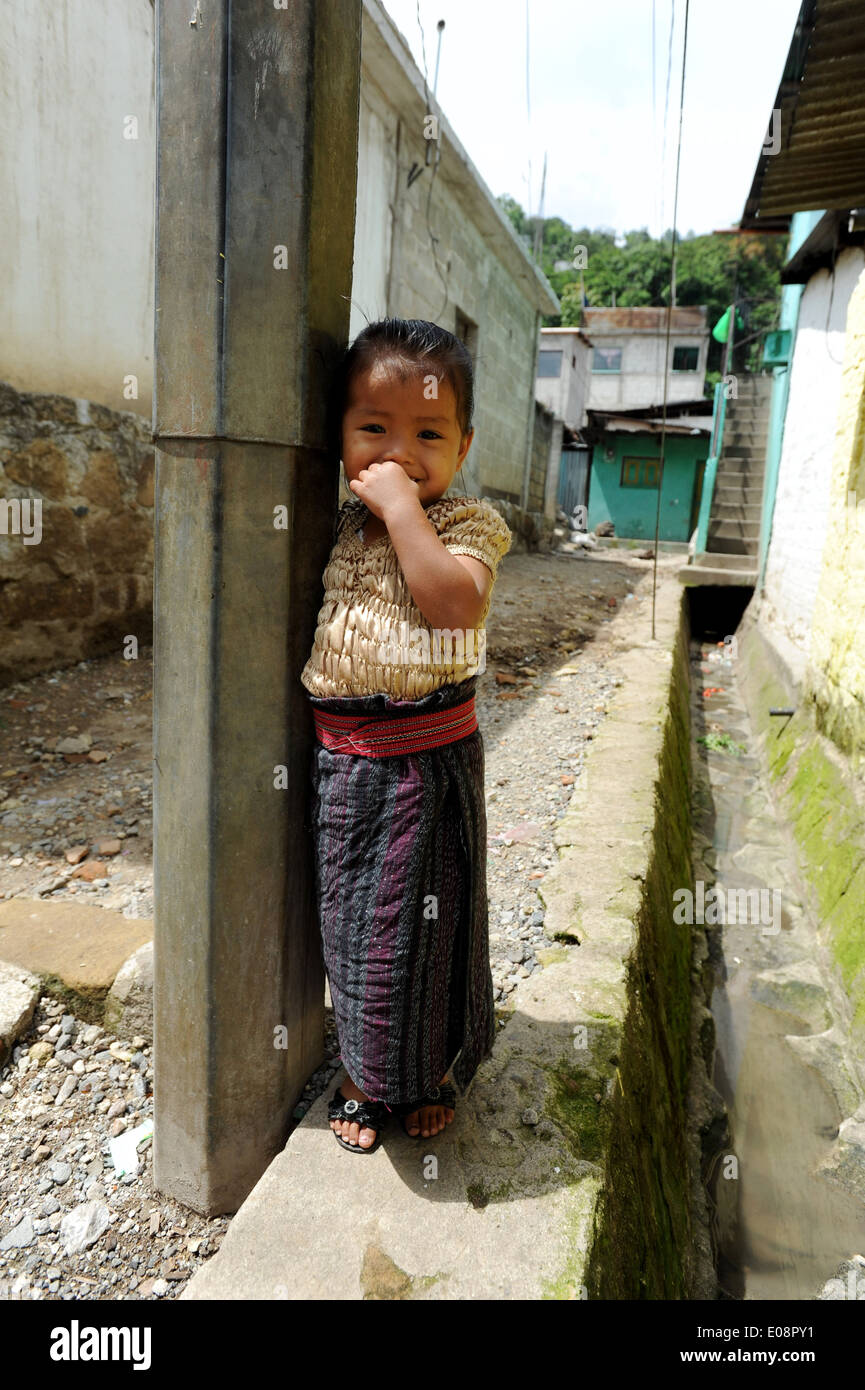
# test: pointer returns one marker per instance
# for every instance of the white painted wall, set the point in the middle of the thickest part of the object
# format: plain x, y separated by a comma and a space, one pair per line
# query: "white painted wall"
76, 312
566, 395
799, 521
641, 380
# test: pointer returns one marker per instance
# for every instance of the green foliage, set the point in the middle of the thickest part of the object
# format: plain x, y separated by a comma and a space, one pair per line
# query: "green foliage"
635, 267
721, 743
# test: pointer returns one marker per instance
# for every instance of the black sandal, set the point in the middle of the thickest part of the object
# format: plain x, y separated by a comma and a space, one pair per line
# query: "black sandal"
443, 1095
368, 1114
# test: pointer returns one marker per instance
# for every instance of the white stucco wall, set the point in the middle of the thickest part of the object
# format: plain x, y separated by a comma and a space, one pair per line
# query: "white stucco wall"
566, 394
76, 312
799, 522
641, 380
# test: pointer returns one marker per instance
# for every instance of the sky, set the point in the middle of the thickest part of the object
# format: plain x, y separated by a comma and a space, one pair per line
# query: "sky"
590, 101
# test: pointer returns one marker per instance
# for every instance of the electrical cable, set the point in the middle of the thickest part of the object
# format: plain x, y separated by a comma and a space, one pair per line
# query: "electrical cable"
432, 239
666, 110
669, 317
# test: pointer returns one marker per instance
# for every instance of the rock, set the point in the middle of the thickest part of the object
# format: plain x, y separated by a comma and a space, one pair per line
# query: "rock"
827, 1054
61, 1173
129, 1003
109, 847
20, 1236
84, 1225
97, 755
90, 870
66, 1090
797, 989
81, 744
845, 1163
19, 995
531, 1117
77, 853
41, 1051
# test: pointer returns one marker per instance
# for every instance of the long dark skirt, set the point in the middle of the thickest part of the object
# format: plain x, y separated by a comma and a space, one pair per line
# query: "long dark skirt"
400, 850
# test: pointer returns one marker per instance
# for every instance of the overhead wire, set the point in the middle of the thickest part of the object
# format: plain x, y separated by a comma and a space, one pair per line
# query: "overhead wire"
432, 239
669, 310
663, 182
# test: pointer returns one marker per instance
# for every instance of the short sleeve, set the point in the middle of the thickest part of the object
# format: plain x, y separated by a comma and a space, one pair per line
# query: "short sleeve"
477, 529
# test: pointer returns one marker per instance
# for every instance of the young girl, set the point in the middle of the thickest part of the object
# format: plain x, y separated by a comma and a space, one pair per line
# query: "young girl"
398, 813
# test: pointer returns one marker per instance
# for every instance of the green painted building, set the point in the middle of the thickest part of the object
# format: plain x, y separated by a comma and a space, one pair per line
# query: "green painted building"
623, 482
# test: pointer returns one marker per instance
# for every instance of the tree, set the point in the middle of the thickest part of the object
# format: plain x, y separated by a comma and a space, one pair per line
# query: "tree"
710, 270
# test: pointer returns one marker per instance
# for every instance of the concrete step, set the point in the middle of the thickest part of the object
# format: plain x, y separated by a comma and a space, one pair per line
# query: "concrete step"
745, 442
726, 528
725, 559
694, 575
733, 511
738, 479
751, 466
739, 495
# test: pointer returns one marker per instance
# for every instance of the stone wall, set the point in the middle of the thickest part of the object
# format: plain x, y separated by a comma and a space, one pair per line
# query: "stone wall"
86, 581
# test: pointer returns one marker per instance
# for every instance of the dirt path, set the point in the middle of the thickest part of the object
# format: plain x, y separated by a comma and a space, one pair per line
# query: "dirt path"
55, 800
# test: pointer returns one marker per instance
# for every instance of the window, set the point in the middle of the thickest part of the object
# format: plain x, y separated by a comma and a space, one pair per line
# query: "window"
685, 359
607, 360
467, 331
639, 472
549, 363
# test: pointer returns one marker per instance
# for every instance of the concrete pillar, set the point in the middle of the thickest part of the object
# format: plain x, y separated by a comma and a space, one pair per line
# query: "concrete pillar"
551, 487
256, 160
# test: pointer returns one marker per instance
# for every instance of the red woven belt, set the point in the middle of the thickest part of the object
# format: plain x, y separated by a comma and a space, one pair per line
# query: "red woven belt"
385, 738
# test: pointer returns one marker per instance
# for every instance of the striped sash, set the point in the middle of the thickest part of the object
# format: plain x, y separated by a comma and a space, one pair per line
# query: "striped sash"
378, 737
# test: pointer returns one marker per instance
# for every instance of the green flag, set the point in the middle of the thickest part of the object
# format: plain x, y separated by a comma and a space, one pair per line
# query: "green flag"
722, 327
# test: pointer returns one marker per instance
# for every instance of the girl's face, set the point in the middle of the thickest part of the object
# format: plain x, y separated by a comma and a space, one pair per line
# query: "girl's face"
386, 418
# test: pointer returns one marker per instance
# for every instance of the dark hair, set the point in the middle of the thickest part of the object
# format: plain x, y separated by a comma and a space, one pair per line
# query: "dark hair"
411, 347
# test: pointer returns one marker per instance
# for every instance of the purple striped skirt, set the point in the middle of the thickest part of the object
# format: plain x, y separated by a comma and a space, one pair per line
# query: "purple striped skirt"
400, 864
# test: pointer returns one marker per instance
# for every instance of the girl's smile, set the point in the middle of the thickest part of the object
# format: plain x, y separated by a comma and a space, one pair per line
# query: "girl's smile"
386, 418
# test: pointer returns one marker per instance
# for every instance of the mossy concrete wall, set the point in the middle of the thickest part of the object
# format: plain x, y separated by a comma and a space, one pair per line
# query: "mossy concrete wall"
835, 679
626, 846
822, 796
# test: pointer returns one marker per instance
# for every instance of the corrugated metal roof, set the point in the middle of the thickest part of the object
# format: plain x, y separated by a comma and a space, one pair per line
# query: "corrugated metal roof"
820, 160
690, 319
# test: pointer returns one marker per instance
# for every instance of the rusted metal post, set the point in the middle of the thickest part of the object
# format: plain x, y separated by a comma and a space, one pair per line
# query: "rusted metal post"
256, 162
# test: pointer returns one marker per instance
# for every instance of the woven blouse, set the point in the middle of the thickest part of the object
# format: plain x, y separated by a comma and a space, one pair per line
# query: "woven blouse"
367, 636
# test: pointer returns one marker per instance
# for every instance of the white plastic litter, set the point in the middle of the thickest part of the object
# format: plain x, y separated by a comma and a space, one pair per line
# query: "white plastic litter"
124, 1149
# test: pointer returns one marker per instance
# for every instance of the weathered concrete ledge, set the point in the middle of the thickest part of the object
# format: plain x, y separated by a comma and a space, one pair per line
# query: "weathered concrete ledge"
590, 1195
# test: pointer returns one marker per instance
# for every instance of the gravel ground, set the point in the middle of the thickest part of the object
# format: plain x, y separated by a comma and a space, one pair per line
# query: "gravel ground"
72, 1227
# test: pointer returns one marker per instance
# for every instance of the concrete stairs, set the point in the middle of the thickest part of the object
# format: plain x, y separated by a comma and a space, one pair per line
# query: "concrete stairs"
733, 537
